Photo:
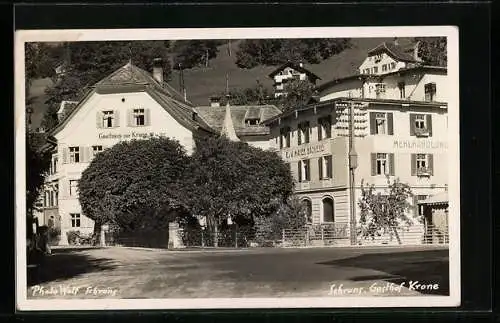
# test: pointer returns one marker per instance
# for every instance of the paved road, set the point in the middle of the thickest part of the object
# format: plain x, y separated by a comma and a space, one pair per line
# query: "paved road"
145, 273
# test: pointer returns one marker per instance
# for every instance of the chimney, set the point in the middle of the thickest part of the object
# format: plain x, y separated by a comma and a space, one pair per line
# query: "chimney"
395, 41
158, 70
214, 101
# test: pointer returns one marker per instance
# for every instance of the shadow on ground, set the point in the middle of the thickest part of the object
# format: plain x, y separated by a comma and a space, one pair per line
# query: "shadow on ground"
427, 267
55, 266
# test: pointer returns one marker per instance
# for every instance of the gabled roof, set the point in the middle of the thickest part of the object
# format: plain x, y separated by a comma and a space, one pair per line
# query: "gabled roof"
214, 116
132, 78
399, 53
296, 67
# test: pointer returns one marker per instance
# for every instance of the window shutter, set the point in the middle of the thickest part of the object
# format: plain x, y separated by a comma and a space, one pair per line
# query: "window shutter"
99, 119
374, 164
308, 169
299, 168
391, 165
147, 117
130, 117
390, 123
413, 165
320, 167
299, 135
65, 152
117, 119
320, 130
412, 124
81, 152
372, 123
430, 160
429, 124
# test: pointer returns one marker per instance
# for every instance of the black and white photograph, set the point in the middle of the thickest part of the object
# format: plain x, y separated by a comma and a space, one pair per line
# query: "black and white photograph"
237, 168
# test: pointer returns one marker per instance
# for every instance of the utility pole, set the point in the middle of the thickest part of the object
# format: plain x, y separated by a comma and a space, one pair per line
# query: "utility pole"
353, 164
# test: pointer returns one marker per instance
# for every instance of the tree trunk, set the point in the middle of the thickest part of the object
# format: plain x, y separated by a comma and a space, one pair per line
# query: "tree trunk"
97, 234
397, 235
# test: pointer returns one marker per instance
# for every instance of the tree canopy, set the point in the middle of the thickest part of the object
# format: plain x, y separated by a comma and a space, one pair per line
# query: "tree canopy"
37, 166
192, 53
381, 213
433, 50
253, 52
134, 184
233, 179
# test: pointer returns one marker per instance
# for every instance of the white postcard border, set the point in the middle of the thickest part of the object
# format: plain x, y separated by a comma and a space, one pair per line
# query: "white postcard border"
22, 36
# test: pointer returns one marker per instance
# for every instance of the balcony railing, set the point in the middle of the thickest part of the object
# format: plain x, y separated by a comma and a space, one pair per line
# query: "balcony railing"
424, 172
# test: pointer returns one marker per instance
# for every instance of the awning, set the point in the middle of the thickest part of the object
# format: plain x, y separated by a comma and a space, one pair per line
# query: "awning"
440, 198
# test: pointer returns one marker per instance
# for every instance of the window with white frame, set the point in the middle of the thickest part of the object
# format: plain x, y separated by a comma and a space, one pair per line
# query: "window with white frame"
324, 128
381, 123
75, 220
401, 86
393, 65
375, 69
420, 123
382, 164
73, 187
421, 162
384, 68
107, 119
284, 138
74, 154
303, 133
430, 91
304, 170
96, 149
379, 89
139, 117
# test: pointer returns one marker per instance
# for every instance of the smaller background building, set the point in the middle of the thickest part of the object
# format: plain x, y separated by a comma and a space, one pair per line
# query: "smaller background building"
288, 72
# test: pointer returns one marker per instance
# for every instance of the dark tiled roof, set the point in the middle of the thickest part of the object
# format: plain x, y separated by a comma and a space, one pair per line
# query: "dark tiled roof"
296, 67
398, 52
214, 116
132, 78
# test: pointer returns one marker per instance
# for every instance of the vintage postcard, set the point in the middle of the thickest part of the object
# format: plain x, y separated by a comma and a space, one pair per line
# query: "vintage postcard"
237, 168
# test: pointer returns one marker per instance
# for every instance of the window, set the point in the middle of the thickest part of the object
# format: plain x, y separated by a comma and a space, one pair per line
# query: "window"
96, 149
307, 205
139, 117
73, 187
384, 68
382, 164
74, 154
52, 198
379, 89
375, 69
252, 121
367, 71
381, 123
378, 58
422, 165
45, 199
401, 86
324, 128
107, 119
304, 170
421, 125
325, 167
328, 210
420, 207
393, 65
75, 220
285, 137
303, 133
430, 91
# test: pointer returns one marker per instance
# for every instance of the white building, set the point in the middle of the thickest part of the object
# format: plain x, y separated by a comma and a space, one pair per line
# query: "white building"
288, 72
128, 104
400, 130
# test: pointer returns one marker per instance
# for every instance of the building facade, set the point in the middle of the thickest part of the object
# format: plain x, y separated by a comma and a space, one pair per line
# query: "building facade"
130, 104
400, 132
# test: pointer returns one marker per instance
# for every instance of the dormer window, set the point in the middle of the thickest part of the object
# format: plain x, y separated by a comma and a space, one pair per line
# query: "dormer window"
378, 58
252, 121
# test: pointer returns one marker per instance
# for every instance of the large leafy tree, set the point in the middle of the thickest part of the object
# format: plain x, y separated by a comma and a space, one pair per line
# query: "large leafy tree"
232, 179
253, 95
192, 53
298, 94
432, 50
134, 185
271, 52
384, 213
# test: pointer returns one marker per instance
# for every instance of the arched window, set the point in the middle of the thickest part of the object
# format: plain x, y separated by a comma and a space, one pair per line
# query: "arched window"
328, 210
306, 203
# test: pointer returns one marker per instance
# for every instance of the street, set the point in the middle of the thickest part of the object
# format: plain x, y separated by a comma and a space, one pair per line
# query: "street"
117, 272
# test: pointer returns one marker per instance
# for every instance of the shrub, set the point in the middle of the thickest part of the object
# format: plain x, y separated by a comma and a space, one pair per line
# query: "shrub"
54, 235
73, 237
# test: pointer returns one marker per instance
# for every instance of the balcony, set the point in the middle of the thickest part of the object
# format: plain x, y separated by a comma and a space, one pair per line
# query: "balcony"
423, 172
422, 132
